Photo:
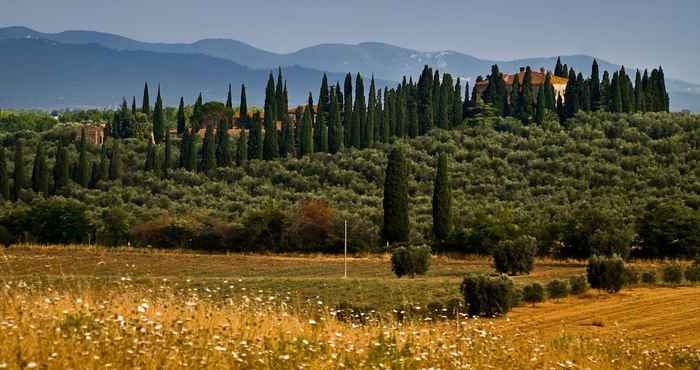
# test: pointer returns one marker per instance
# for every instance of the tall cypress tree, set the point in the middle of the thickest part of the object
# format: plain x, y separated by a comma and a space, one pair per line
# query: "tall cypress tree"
425, 100
550, 101
116, 165
208, 155
457, 105
194, 123
541, 107
83, 176
133, 105
223, 154
639, 93
229, 98
255, 142
359, 114
306, 143
61, 168
191, 164
283, 137
527, 100
495, 93
515, 107
242, 152
615, 100
181, 122
270, 148
437, 94
243, 109
150, 163
146, 104
40, 175
605, 92
371, 114
584, 93
20, 178
4, 177
413, 127
347, 112
324, 98
595, 86
395, 203
167, 155
280, 99
386, 118
335, 128
445, 99
158, 120
103, 171
559, 69
571, 95
442, 200
184, 147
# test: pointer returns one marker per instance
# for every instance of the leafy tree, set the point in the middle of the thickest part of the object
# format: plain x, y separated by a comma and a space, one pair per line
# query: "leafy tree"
335, 126
410, 261
442, 200
40, 175
533, 293
306, 143
571, 95
527, 100
396, 224
495, 93
425, 100
557, 289
487, 296
606, 273
516, 256
669, 230
270, 146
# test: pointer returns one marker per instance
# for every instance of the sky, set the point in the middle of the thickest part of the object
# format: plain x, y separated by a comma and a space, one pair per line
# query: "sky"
640, 33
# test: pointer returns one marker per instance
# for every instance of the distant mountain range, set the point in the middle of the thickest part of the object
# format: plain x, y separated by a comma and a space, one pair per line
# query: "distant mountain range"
386, 62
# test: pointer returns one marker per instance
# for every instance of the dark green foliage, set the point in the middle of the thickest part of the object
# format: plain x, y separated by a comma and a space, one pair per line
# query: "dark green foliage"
348, 110
208, 155
578, 285
606, 273
649, 277
495, 93
673, 273
442, 200
270, 145
167, 154
358, 114
116, 164
533, 293
20, 178
515, 256
526, 99
243, 109
487, 295
594, 87
371, 118
150, 163
6, 237
61, 168
40, 172
242, 150
442, 119
410, 261
4, 177
53, 221
396, 223
306, 142
324, 97
541, 108
425, 100
571, 96
181, 121
632, 276
102, 173
669, 229
557, 289
457, 114
158, 120
255, 142
596, 230
229, 98
692, 273
82, 178
145, 103
114, 229
335, 126
281, 96
223, 151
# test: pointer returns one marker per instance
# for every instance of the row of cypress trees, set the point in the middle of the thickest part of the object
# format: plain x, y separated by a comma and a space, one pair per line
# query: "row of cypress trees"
64, 170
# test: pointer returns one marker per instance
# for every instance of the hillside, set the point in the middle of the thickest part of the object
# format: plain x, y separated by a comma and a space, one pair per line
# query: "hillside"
382, 60
37, 73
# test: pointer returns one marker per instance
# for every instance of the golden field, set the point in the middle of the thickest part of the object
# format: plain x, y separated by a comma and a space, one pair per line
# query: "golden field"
79, 307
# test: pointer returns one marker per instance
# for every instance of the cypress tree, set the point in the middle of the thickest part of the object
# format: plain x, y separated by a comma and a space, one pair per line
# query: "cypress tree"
229, 98
208, 154
95, 174
324, 99
626, 92
306, 144
437, 95
150, 163
290, 139
615, 99
116, 166
61, 169
255, 144
4, 177
242, 153
191, 164
661, 93
646, 93
495, 93
133, 105
103, 171
145, 104
359, 114
283, 142
347, 112
280, 96
168, 155
371, 114
541, 107
549, 100
335, 128
527, 100
515, 108
445, 99
40, 175
571, 95
594, 86
386, 118
184, 148
605, 92
20, 178
466, 105
243, 109
285, 101
194, 123
639, 93
400, 112
83, 177
324, 139
270, 147
223, 154
457, 105
158, 123
442, 200
181, 123
560, 109
395, 203
425, 100
559, 69
584, 93
413, 128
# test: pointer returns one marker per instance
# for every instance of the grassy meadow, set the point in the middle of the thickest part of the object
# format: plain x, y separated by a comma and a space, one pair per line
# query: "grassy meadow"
79, 307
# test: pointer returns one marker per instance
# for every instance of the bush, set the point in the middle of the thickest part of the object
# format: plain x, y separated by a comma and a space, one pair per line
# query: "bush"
516, 256
410, 261
557, 289
487, 295
692, 273
578, 285
6, 237
649, 277
53, 221
606, 273
673, 273
631, 276
533, 293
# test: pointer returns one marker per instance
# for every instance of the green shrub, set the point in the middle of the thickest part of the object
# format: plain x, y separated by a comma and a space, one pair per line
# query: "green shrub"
692, 273
578, 284
649, 277
557, 289
487, 295
533, 293
515, 256
673, 273
606, 273
410, 261
631, 276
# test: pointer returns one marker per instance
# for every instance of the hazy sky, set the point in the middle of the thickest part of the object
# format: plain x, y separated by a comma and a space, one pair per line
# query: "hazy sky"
632, 32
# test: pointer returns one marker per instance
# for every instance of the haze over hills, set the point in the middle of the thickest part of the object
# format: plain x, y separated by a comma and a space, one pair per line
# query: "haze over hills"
384, 61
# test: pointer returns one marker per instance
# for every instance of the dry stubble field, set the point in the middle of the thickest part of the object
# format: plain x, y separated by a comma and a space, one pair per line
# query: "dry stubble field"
79, 307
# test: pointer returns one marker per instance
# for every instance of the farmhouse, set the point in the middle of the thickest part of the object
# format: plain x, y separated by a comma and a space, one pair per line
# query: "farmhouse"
537, 77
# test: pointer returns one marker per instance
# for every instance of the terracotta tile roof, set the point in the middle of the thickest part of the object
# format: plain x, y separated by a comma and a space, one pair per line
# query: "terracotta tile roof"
537, 79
